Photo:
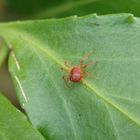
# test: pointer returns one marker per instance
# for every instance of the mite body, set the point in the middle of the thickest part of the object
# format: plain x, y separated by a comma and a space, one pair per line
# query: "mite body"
76, 73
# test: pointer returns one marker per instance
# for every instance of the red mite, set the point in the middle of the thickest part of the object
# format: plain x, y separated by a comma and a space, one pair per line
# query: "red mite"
76, 73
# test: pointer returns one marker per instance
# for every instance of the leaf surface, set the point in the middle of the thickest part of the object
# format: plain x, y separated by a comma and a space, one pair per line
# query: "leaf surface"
14, 125
106, 107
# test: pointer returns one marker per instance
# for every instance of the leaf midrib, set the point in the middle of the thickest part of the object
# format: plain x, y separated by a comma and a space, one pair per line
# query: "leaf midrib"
98, 94
35, 42
61, 97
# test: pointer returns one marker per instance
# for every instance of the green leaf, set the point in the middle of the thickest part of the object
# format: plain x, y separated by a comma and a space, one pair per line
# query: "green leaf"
14, 125
83, 7
32, 5
3, 50
104, 108
55, 8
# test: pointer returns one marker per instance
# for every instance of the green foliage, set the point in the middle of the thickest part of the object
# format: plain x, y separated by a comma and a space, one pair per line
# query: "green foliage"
83, 7
14, 125
104, 108
62, 8
32, 6
3, 50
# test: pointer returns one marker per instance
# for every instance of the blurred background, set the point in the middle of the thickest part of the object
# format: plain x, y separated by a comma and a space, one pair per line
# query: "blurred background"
12, 10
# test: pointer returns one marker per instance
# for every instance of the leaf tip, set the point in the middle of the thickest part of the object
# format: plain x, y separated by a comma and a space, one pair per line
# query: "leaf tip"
131, 18
95, 15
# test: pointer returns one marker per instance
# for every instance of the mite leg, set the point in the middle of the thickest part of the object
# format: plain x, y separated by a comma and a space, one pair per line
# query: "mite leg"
85, 58
63, 69
67, 64
89, 75
66, 79
89, 64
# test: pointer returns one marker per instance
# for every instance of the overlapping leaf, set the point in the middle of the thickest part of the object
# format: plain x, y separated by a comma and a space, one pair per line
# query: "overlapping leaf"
3, 50
63, 8
14, 125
